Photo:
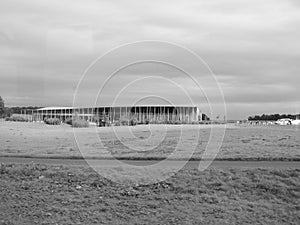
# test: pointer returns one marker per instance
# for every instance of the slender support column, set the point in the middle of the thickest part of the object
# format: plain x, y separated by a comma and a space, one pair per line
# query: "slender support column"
180, 113
90, 114
140, 114
160, 113
168, 115
147, 113
93, 114
114, 114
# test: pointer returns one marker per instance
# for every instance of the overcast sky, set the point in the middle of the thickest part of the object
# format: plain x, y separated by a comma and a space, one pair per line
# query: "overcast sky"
252, 47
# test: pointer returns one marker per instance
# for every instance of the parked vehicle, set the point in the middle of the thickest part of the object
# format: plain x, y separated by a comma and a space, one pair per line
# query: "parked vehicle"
284, 121
296, 122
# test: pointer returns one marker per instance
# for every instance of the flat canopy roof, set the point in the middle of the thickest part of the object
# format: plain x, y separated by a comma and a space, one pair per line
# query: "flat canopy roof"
61, 108
55, 108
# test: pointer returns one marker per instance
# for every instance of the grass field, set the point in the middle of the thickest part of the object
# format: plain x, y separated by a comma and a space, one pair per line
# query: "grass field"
240, 142
40, 194
49, 194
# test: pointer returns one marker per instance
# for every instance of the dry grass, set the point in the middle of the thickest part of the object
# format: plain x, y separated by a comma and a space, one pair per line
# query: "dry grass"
35, 139
39, 194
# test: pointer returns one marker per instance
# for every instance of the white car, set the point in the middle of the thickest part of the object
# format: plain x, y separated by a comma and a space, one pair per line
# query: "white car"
284, 121
296, 122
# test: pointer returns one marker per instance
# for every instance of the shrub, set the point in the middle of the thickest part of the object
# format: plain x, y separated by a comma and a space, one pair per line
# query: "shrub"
77, 122
80, 123
52, 121
117, 123
16, 119
68, 121
132, 122
124, 122
205, 122
169, 122
102, 123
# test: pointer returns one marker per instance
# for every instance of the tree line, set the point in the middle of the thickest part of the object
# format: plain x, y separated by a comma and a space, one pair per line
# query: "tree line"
8, 111
273, 117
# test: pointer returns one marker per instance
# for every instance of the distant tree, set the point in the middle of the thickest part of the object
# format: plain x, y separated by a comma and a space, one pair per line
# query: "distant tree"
276, 117
2, 107
205, 117
256, 117
272, 117
7, 112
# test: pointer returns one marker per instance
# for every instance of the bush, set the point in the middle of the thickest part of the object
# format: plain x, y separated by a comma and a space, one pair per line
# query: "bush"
52, 121
68, 121
205, 122
132, 122
117, 123
16, 119
77, 122
124, 122
80, 123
